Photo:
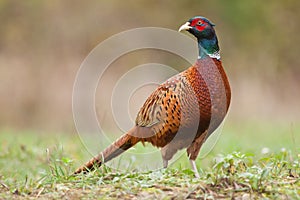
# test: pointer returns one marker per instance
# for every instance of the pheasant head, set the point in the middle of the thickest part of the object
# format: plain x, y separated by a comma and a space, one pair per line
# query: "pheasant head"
204, 31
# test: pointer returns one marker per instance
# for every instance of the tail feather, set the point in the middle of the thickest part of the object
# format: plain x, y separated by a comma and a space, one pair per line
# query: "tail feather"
119, 146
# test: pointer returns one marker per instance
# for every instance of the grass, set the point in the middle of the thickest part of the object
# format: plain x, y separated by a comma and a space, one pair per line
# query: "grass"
239, 166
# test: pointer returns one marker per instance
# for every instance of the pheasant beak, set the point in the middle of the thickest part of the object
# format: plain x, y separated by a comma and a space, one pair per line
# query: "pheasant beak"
185, 27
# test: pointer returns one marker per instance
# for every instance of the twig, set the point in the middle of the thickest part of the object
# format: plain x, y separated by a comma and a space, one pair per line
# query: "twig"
40, 192
4, 185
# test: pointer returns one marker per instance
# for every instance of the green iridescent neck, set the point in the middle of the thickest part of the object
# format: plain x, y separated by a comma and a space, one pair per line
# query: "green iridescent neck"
209, 47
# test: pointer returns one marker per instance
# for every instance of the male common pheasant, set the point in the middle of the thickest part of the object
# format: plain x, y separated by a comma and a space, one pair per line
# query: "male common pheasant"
183, 111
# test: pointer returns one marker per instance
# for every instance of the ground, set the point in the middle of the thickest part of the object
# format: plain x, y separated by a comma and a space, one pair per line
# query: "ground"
239, 167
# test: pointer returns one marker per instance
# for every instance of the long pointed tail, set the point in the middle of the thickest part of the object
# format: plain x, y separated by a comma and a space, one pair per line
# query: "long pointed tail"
119, 146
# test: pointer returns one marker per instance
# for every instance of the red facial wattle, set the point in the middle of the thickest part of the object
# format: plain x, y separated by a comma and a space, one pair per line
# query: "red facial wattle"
200, 25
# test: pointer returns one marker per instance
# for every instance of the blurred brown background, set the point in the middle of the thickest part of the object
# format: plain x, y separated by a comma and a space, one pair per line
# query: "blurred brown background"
43, 43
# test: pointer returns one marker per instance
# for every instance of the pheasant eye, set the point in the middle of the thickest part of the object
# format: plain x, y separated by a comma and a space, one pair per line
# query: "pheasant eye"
199, 23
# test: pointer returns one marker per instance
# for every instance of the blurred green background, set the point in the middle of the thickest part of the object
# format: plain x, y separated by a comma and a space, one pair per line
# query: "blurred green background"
43, 43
